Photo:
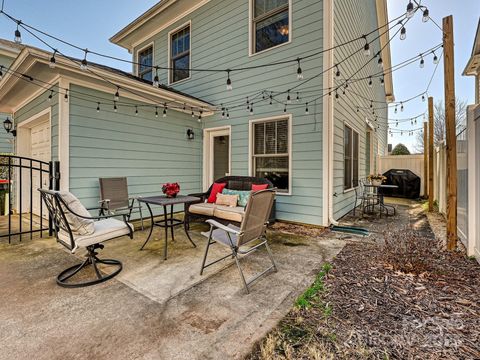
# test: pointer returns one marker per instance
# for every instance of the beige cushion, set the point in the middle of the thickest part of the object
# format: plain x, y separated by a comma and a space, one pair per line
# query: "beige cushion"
77, 224
227, 200
229, 213
202, 209
103, 230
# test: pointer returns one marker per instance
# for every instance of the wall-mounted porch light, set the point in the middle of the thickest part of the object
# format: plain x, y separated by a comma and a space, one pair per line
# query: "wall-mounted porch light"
190, 134
8, 126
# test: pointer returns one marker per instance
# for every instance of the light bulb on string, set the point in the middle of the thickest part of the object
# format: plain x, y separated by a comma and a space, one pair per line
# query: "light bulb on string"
98, 107
116, 97
410, 10
297, 99
403, 33
337, 71
136, 110
228, 114
53, 61
251, 109
289, 99
229, 81
401, 106
422, 62
366, 47
156, 112
382, 80
423, 98
115, 106
336, 94
396, 109
165, 110
193, 114
380, 61
285, 108
156, 79
223, 113
18, 35
271, 99
65, 98
299, 70
435, 58
371, 104
426, 15
50, 96
306, 109
84, 63
370, 82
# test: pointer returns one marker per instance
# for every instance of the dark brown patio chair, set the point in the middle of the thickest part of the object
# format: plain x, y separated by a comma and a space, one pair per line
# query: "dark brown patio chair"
75, 228
238, 239
114, 198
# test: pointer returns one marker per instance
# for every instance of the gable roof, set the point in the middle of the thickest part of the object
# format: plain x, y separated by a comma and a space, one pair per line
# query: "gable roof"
474, 61
10, 48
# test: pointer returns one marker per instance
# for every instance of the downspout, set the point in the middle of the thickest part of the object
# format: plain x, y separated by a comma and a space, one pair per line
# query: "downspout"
328, 119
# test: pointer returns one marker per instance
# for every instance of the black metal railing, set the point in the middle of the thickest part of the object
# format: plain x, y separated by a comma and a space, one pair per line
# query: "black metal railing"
19, 174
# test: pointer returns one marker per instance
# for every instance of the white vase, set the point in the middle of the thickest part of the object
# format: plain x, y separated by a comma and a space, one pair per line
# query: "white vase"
376, 182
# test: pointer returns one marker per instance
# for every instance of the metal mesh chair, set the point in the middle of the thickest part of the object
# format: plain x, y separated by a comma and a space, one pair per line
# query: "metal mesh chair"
104, 228
252, 228
367, 198
114, 198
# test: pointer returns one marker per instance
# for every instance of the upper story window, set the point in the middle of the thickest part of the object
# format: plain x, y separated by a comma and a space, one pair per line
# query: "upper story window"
180, 54
145, 63
270, 23
271, 152
350, 158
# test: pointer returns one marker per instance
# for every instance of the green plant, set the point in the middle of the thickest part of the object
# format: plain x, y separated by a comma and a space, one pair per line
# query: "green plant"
306, 300
3, 167
400, 149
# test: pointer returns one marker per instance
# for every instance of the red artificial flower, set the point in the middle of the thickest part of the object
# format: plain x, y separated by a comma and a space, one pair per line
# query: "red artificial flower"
171, 189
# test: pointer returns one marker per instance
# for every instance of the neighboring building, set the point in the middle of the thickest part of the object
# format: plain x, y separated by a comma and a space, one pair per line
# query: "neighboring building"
315, 159
8, 52
469, 210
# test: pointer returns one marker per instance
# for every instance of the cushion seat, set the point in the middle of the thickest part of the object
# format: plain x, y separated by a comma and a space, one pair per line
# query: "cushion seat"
104, 230
229, 213
202, 209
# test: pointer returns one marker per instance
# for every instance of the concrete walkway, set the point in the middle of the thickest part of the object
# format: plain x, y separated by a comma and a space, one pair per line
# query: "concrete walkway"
154, 309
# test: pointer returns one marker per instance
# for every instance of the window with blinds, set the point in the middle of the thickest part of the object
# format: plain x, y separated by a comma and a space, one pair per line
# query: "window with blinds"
350, 158
271, 152
180, 55
145, 62
270, 23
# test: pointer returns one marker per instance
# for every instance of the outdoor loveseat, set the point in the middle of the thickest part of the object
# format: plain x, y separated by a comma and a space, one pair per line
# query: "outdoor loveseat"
204, 210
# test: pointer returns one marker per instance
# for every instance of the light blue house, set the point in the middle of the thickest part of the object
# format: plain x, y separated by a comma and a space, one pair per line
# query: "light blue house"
314, 149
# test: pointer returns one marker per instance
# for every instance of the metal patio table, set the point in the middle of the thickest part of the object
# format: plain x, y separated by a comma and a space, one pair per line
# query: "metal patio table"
168, 222
380, 196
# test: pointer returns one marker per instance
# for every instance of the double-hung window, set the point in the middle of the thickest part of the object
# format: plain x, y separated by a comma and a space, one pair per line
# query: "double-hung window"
145, 62
350, 158
271, 153
270, 23
180, 54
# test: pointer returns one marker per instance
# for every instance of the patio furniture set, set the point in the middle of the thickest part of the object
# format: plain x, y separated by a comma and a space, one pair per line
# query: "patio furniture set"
369, 195
238, 210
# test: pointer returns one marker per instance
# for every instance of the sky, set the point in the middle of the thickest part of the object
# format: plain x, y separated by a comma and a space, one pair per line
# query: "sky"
90, 23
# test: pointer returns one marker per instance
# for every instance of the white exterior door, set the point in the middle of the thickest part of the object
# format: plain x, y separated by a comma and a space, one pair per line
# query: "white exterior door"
40, 149
217, 155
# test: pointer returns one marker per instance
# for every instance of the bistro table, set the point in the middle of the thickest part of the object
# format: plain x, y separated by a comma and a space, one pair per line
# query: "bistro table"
380, 196
168, 222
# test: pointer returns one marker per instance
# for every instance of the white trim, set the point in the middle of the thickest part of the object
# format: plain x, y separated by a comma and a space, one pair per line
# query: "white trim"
169, 41
289, 117
161, 28
207, 152
36, 94
251, 45
64, 136
472, 182
328, 119
139, 50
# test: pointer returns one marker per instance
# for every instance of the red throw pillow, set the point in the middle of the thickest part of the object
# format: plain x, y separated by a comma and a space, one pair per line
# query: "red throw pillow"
258, 187
216, 188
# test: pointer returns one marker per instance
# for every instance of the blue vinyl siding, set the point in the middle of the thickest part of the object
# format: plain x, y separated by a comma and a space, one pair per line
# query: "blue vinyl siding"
219, 38
363, 15
149, 151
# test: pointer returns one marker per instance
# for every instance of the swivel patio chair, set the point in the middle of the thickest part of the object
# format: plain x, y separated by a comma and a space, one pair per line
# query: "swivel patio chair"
75, 228
114, 198
367, 198
252, 227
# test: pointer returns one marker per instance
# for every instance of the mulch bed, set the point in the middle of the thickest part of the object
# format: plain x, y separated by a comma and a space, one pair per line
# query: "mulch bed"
379, 310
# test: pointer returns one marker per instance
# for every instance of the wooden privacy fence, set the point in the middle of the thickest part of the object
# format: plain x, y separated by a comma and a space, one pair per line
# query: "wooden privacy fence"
414, 163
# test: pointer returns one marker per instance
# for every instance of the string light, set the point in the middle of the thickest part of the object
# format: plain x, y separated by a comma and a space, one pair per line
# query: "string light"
366, 47
285, 108
229, 81
336, 94
382, 81
156, 80
298, 97
435, 58
271, 99
401, 106
228, 114
370, 82
306, 109
223, 112
299, 70
116, 97
422, 61
426, 15
410, 11
53, 62
396, 109
251, 109
193, 114
165, 110
289, 99
115, 106
156, 112
423, 98
98, 107
403, 33
18, 35
136, 110
65, 98
84, 63
337, 72
50, 96
380, 61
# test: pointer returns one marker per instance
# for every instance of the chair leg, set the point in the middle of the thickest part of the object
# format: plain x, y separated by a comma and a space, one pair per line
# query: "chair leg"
354, 206
140, 211
241, 272
270, 255
206, 250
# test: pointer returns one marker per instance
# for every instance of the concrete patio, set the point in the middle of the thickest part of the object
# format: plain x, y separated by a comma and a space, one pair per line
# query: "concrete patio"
154, 309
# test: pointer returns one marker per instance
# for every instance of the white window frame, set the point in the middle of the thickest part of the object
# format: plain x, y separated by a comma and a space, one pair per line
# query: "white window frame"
170, 33
251, 147
136, 59
346, 124
251, 33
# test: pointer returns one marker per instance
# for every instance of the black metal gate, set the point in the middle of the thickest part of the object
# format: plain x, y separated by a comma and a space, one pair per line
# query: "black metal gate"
17, 184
